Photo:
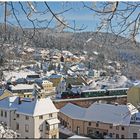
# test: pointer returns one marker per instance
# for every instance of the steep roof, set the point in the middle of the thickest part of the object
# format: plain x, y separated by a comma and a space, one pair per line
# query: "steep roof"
9, 103
32, 108
37, 107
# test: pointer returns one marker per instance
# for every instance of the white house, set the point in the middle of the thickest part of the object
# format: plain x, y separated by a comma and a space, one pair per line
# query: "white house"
30, 118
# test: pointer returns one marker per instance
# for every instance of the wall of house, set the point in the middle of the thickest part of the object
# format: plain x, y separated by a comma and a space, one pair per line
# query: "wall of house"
21, 120
122, 131
38, 123
86, 128
3, 118
47, 86
55, 81
134, 128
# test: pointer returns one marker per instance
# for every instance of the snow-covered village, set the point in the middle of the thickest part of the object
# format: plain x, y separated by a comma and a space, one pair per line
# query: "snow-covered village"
51, 88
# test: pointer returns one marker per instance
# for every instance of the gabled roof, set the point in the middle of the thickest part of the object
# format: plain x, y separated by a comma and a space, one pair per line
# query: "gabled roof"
105, 113
9, 103
32, 108
37, 107
73, 111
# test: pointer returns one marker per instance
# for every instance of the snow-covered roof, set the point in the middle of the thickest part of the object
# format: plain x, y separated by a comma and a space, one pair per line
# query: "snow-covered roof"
17, 74
22, 87
9, 103
105, 113
67, 53
30, 49
55, 76
77, 137
114, 82
96, 53
37, 107
73, 111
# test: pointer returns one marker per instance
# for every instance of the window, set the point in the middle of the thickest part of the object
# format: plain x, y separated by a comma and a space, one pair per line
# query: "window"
5, 114
110, 126
41, 117
134, 135
117, 127
117, 136
17, 115
1, 113
97, 124
26, 128
5, 124
78, 130
122, 136
50, 115
54, 137
89, 123
97, 132
122, 128
17, 126
110, 134
27, 117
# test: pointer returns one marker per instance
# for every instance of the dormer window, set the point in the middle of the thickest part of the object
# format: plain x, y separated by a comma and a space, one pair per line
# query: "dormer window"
50, 115
17, 115
27, 117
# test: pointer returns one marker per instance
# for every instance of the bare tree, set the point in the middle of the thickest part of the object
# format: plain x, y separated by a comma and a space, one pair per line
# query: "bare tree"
119, 18
6, 132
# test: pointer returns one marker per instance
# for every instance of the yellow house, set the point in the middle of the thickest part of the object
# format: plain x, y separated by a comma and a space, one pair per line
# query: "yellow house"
23, 90
133, 96
47, 85
5, 93
55, 79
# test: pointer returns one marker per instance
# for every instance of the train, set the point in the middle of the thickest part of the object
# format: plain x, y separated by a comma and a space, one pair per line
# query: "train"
95, 93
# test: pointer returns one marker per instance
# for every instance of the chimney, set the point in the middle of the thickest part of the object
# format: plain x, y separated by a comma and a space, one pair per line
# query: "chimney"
19, 100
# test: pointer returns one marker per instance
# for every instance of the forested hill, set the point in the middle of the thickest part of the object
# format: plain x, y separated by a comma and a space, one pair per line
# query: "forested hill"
113, 47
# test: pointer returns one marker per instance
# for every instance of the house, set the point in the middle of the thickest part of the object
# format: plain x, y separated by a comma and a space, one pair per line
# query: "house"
20, 76
99, 120
75, 81
135, 126
47, 85
30, 118
93, 73
23, 90
55, 79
